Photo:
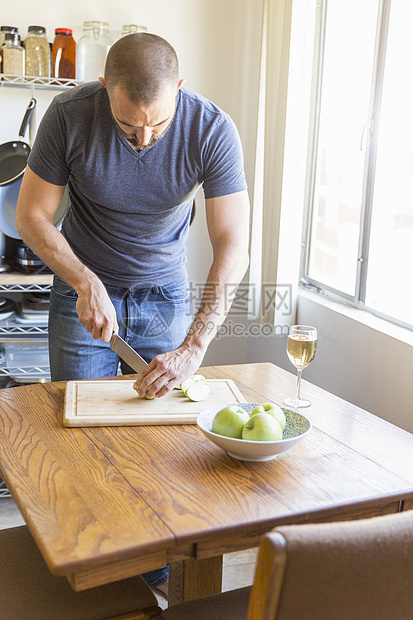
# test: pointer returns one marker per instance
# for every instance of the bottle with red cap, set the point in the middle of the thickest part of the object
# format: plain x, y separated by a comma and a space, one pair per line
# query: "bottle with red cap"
64, 54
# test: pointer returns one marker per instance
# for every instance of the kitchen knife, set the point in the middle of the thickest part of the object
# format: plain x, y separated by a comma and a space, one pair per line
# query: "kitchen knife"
129, 355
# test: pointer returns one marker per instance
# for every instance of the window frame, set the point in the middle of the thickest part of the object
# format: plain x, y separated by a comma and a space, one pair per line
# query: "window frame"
369, 143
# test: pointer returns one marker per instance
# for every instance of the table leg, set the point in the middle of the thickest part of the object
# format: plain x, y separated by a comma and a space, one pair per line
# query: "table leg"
192, 578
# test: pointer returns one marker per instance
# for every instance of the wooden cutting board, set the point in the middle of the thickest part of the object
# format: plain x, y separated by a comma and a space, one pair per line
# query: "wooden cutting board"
115, 403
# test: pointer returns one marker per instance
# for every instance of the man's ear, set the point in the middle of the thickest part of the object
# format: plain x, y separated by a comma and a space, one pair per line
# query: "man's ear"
181, 81
102, 81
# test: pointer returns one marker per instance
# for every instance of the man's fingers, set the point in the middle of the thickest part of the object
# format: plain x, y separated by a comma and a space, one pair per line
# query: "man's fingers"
107, 332
98, 315
145, 380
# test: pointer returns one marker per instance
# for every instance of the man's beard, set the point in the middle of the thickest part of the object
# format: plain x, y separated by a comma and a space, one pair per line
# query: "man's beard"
133, 140
155, 137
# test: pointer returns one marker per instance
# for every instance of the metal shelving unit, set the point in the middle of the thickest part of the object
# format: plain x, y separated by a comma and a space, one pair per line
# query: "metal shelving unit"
29, 287
11, 331
26, 334
27, 374
14, 333
4, 491
36, 83
23, 354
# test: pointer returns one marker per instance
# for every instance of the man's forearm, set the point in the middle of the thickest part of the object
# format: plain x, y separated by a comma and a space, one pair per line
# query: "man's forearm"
224, 277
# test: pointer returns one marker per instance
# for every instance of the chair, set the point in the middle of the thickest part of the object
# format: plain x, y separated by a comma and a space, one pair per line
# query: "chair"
355, 570
28, 591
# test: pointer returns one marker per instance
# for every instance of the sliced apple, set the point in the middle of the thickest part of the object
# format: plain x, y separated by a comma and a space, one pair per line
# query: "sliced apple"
198, 378
199, 390
188, 382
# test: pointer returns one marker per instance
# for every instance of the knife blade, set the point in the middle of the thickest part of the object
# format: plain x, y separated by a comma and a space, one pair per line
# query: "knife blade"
129, 355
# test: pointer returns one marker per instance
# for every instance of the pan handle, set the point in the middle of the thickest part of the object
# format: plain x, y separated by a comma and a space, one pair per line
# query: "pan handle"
27, 117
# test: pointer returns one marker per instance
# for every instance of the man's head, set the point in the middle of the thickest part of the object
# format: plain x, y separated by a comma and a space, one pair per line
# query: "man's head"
141, 77
143, 66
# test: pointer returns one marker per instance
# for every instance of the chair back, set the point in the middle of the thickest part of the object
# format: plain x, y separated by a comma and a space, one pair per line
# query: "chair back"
355, 570
28, 591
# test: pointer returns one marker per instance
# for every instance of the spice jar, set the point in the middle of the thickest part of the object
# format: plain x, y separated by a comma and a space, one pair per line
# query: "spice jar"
13, 55
64, 54
37, 62
91, 51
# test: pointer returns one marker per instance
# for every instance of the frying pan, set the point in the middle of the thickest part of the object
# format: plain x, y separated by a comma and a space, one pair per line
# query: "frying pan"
14, 154
8, 202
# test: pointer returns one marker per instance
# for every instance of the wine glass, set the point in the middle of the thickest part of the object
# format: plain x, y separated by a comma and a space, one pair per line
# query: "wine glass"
301, 350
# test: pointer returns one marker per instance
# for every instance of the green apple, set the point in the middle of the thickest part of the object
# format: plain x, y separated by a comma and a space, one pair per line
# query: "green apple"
147, 397
262, 427
273, 410
230, 421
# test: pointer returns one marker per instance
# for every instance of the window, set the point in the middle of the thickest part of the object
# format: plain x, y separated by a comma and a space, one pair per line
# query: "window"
360, 191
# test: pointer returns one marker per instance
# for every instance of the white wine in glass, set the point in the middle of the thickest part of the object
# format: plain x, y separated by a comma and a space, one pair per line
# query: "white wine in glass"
301, 350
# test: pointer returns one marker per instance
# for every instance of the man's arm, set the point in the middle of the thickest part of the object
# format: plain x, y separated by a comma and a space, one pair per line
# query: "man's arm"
37, 204
228, 228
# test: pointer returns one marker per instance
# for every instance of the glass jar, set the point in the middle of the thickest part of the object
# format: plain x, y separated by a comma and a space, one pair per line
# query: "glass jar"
13, 55
130, 28
37, 62
91, 51
3, 31
64, 54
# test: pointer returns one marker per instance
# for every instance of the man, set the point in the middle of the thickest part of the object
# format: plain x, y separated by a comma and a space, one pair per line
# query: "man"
133, 149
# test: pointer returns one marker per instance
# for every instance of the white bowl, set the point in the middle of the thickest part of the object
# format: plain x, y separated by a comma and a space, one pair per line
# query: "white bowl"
296, 428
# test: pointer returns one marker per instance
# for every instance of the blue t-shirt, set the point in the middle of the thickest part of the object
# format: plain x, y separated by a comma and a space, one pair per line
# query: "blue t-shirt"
129, 211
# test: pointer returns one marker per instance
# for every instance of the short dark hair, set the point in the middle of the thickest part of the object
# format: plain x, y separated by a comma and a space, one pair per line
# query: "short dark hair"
142, 64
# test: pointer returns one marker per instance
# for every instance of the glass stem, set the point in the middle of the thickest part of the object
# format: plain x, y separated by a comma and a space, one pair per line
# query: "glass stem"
299, 372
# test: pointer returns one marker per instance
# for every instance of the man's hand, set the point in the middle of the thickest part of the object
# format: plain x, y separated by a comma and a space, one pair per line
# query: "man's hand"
96, 311
168, 370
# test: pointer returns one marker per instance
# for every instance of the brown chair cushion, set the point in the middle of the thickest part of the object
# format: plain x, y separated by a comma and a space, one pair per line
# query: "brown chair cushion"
358, 570
28, 591
232, 605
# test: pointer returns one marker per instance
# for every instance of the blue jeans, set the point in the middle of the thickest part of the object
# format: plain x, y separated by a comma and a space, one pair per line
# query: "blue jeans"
152, 320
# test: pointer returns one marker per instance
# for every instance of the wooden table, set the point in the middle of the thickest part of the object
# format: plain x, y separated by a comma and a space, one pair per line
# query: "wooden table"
106, 503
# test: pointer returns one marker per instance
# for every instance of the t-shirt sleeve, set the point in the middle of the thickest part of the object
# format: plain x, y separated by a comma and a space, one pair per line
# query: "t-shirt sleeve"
48, 156
224, 163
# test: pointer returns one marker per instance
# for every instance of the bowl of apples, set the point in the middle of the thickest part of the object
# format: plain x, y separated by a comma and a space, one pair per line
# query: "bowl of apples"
253, 431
